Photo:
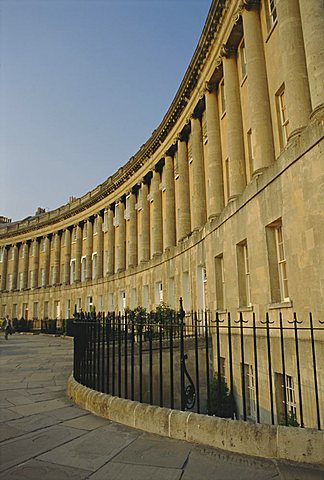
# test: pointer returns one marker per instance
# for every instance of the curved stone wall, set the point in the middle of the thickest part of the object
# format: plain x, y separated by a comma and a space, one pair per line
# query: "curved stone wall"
222, 205
267, 441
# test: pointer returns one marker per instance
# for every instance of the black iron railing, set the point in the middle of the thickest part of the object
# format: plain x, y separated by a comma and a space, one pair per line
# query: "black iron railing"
262, 371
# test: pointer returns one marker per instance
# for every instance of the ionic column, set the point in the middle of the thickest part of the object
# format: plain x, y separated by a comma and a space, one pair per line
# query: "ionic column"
157, 244
111, 241
215, 192
25, 247
184, 198
78, 251
259, 104
15, 267
4, 268
294, 65
169, 220
35, 263
57, 255
47, 260
120, 257
312, 17
235, 142
67, 256
89, 246
99, 247
144, 247
198, 176
132, 260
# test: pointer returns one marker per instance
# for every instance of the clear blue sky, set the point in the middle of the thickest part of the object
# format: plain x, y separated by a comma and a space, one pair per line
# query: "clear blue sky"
83, 83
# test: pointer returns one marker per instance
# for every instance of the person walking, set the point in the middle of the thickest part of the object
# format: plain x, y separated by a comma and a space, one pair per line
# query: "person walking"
6, 326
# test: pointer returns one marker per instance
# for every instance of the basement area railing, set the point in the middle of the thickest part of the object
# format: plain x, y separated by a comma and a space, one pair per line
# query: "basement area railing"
255, 370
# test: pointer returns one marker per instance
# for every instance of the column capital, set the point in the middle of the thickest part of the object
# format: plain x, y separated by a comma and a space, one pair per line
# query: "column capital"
135, 188
171, 150
100, 213
123, 199
159, 166
228, 51
211, 87
199, 108
250, 4
147, 177
184, 134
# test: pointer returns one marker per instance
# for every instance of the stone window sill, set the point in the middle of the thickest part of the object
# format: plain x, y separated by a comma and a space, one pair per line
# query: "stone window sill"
271, 30
286, 304
248, 308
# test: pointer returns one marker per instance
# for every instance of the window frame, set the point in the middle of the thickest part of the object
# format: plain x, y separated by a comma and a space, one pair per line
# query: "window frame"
282, 116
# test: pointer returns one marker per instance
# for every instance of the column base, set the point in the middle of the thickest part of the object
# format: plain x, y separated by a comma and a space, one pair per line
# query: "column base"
296, 132
232, 198
258, 172
317, 113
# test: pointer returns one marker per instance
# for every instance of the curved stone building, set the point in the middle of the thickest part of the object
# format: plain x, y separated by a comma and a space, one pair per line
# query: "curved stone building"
223, 205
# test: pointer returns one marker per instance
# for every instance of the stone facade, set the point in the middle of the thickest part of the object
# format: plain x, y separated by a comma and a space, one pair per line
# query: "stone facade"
223, 205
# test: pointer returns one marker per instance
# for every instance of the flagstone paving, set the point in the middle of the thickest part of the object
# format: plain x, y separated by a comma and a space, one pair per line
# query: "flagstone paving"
44, 436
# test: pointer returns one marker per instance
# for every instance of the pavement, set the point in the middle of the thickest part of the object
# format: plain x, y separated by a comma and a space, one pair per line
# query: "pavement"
44, 436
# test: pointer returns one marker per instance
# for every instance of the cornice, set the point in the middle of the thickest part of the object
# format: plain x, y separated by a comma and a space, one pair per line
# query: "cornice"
187, 86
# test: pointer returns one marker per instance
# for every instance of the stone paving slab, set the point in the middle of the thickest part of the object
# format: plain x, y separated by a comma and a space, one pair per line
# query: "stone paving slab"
67, 413
35, 469
6, 414
15, 451
8, 431
91, 450
39, 407
120, 471
86, 422
155, 451
32, 423
220, 466
298, 472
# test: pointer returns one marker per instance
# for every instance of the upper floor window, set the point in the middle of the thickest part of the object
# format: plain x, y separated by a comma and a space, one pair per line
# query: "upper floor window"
176, 164
242, 59
243, 268
277, 263
158, 293
282, 264
204, 127
271, 13
189, 151
220, 282
250, 153
72, 271
227, 178
94, 265
222, 97
283, 121
83, 269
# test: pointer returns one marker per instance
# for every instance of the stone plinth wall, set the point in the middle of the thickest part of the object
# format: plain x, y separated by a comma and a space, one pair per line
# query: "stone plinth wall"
267, 441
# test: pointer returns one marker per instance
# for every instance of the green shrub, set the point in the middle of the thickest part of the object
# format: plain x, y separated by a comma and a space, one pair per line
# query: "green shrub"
222, 402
